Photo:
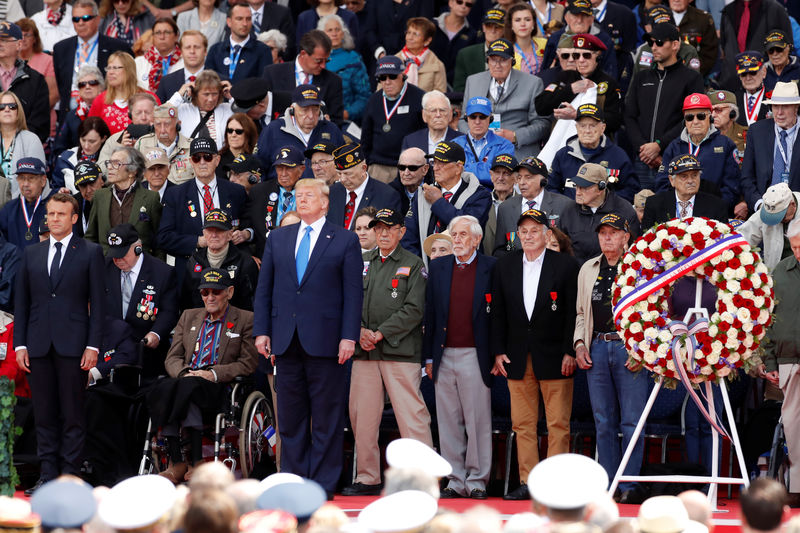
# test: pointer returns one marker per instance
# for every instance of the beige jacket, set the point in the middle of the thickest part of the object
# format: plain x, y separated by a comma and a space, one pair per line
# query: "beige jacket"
584, 323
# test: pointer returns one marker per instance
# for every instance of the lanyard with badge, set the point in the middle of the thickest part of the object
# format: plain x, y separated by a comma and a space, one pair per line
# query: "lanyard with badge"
29, 219
531, 69
785, 173
233, 60
388, 114
538, 17
752, 112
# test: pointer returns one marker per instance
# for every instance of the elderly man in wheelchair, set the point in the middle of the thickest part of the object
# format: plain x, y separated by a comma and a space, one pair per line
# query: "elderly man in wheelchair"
212, 346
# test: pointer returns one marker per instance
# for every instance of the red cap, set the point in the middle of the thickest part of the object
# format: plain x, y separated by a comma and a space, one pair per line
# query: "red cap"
586, 41
696, 101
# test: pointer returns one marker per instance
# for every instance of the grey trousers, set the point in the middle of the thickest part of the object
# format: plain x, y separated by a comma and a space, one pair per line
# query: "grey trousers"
464, 413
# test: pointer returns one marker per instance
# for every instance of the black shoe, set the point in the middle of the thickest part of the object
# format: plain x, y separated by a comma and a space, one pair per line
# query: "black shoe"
478, 494
447, 494
360, 489
521, 493
634, 496
31, 490
329, 495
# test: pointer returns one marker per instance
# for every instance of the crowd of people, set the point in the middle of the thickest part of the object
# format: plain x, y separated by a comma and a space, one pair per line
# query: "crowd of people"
345, 201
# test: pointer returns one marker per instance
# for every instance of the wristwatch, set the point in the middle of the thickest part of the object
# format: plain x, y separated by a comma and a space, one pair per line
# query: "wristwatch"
173, 12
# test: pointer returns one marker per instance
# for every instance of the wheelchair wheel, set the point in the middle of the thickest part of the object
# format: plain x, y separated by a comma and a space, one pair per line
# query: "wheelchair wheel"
257, 420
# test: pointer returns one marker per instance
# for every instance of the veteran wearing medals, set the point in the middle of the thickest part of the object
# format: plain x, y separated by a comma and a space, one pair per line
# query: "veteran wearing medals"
19, 218
751, 69
142, 291
168, 137
387, 360
533, 319
211, 346
391, 113
222, 255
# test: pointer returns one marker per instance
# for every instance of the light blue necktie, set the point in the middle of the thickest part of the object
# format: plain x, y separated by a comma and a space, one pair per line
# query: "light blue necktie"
301, 260
779, 167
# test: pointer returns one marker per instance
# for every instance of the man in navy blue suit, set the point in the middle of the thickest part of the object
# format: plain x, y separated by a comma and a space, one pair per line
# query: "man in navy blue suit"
456, 343
58, 329
241, 55
307, 320
356, 189
185, 205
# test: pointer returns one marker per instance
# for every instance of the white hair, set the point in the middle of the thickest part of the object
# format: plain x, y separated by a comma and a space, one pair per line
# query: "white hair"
278, 39
347, 39
434, 94
91, 70
474, 226
794, 227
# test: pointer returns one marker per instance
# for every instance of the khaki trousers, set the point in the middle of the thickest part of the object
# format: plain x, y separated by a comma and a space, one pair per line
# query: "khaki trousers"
790, 411
557, 395
367, 382
384, 173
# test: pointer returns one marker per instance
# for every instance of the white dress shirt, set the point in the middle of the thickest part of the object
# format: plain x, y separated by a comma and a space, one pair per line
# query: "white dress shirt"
316, 229
531, 271
689, 210
51, 252
359, 194
538, 199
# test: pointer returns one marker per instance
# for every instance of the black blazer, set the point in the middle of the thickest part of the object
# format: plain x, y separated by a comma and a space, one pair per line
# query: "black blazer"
66, 314
281, 78
262, 212
547, 335
419, 139
757, 164
740, 101
64, 62
170, 84
437, 311
376, 193
661, 208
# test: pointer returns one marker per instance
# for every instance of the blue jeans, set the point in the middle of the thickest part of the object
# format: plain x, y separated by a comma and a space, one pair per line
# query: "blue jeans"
698, 430
618, 398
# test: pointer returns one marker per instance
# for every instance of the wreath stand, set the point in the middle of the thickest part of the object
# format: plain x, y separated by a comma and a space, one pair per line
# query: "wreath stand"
714, 479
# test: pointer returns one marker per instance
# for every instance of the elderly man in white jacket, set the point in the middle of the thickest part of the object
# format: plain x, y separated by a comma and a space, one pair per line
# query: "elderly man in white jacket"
767, 226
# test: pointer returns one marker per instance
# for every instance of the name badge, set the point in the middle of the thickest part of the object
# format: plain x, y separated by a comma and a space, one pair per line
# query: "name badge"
718, 149
785, 177
402, 110
3, 351
495, 124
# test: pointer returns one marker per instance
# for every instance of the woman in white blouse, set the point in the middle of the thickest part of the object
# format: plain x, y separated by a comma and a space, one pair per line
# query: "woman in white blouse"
201, 106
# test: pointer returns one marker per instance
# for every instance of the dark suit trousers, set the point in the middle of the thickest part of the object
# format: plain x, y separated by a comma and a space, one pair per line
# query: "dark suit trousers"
311, 388
58, 389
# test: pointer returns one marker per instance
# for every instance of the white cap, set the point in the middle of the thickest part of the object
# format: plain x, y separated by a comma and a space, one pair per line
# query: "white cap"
567, 481
663, 514
524, 522
137, 502
411, 453
279, 478
402, 511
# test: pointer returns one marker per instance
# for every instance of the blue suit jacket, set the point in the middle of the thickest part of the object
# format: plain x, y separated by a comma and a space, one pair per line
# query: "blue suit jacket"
419, 139
758, 159
437, 311
118, 347
66, 314
254, 56
376, 194
325, 307
170, 84
12, 222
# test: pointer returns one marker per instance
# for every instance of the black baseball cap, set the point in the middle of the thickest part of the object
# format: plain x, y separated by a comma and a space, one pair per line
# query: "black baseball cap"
120, 238
214, 278
615, 221
535, 165
495, 16
348, 156
666, 31
245, 163
591, 111
86, 172
506, 161
535, 215
583, 7
502, 48
322, 146
217, 218
448, 152
684, 162
388, 217
203, 145
247, 93
306, 95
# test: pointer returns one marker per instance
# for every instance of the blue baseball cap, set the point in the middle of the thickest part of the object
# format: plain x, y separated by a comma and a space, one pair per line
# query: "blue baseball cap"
9, 30
298, 499
391, 65
64, 504
306, 95
479, 104
290, 156
31, 165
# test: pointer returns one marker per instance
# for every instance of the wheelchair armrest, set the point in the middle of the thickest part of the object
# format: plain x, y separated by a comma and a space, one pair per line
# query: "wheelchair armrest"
127, 376
244, 379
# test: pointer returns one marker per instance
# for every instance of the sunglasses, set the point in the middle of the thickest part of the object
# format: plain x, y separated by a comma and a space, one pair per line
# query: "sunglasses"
477, 116
410, 168
700, 116
576, 55
12, 107
237, 131
463, 3
384, 77
90, 83
84, 18
208, 158
205, 293
656, 42
775, 50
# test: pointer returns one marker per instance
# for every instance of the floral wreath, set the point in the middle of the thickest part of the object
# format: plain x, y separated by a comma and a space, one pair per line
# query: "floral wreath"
704, 249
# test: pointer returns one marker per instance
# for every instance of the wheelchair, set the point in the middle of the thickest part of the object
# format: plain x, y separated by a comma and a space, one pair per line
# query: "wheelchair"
243, 434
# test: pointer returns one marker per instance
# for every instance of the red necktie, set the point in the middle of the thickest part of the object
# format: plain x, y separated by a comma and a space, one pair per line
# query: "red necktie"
349, 209
447, 197
208, 201
744, 25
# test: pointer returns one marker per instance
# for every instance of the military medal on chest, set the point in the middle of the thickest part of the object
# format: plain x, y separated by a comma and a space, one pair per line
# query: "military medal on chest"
554, 297
488, 302
394, 288
146, 309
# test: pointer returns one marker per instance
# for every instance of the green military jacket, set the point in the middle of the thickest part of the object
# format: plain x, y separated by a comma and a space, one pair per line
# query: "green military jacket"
782, 342
394, 301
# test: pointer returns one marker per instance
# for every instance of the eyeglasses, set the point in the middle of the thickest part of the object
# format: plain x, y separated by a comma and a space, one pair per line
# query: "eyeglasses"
464, 3
775, 50
114, 164
656, 42
410, 168
12, 107
90, 83
384, 77
205, 293
699, 116
208, 158
477, 116
163, 33
114, 67
321, 162
83, 18
237, 131
576, 55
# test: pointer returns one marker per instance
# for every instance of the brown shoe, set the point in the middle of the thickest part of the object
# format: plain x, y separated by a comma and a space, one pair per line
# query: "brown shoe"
175, 473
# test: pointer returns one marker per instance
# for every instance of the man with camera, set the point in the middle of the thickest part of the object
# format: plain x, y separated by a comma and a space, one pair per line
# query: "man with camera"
167, 136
